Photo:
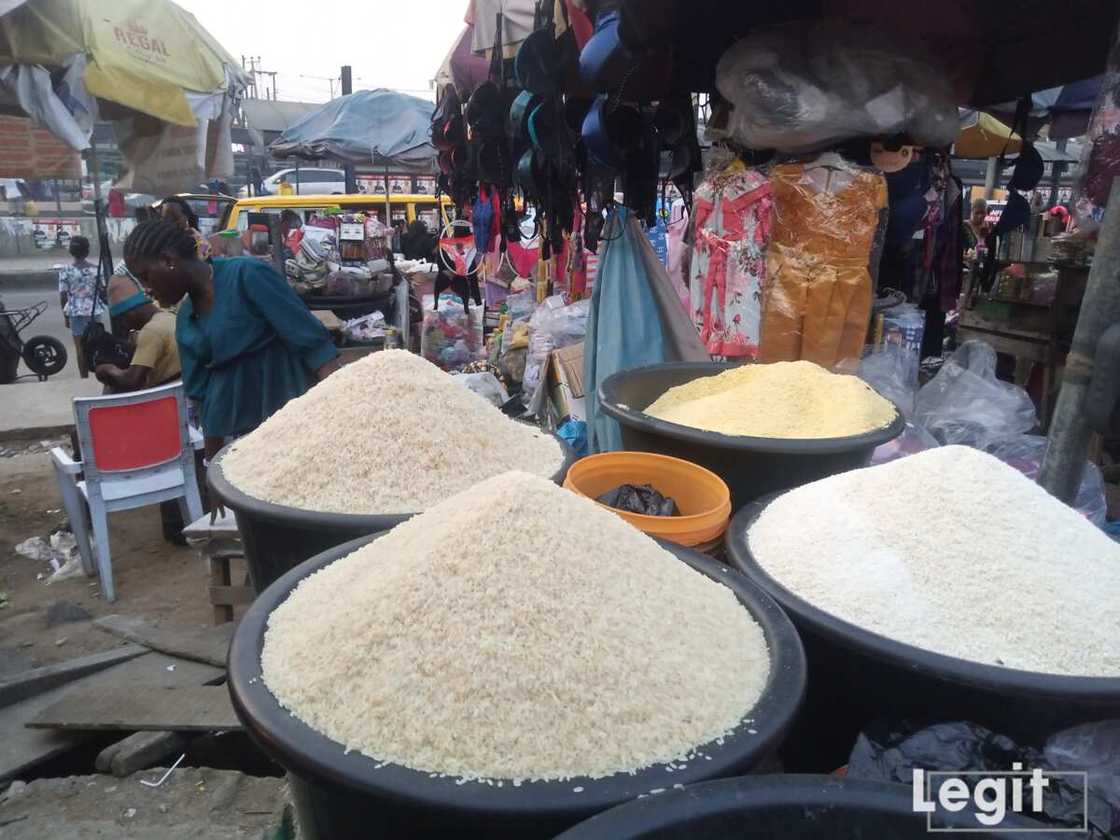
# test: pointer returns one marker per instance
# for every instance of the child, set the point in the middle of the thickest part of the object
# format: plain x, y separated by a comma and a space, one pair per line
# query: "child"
77, 288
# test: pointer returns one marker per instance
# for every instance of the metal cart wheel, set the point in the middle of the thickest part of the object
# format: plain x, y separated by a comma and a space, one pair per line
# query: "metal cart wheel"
44, 355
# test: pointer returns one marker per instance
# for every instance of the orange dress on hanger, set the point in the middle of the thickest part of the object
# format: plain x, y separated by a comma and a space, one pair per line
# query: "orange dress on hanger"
818, 295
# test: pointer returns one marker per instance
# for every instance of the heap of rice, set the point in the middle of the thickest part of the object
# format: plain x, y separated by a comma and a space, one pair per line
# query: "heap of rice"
953, 551
516, 632
779, 400
390, 433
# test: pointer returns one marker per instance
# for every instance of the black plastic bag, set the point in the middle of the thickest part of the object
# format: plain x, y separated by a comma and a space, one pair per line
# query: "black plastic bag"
639, 498
891, 753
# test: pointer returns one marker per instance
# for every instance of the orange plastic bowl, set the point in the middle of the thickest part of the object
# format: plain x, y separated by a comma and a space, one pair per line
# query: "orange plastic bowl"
702, 497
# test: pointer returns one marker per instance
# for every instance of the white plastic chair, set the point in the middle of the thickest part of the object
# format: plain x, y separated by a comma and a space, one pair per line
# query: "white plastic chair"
137, 450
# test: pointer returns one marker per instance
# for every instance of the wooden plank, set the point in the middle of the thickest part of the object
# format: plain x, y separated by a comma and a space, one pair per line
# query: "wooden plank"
231, 595
37, 680
200, 644
219, 578
1009, 344
22, 748
205, 708
973, 320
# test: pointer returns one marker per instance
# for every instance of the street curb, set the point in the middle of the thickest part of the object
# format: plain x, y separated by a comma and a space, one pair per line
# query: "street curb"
28, 279
37, 432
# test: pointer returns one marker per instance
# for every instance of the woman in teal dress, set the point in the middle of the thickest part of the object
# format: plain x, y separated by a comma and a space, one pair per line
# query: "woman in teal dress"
247, 344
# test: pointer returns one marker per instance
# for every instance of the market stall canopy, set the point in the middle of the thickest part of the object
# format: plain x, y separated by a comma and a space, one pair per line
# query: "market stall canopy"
1064, 109
146, 55
993, 52
379, 127
461, 67
983, 136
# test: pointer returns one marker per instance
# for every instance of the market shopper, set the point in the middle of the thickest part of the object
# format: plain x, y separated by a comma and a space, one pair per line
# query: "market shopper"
177, 211
977, 227
418, 243
247, 344
155, 360
77, 292
291, 232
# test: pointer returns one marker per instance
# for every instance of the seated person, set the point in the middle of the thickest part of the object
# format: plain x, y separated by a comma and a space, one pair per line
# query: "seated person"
291, 232
155, 360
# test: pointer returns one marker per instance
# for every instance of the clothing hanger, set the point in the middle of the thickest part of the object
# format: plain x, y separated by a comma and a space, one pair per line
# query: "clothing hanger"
839, 173
830, 160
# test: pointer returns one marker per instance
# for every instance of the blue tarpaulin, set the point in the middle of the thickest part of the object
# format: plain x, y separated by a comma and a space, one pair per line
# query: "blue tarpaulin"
379, 127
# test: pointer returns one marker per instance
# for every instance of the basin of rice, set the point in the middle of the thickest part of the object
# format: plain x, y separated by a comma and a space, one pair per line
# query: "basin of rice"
952, 551
778, 400
390, 433
516, 632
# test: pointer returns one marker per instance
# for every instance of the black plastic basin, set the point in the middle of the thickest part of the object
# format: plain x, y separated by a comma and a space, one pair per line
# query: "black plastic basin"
341, 795
785, 807
751, 466
856, 676
278, 538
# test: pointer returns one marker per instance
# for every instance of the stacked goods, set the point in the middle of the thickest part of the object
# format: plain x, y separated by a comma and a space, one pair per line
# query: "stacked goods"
954, 552
390, 433
780, 400
516, 632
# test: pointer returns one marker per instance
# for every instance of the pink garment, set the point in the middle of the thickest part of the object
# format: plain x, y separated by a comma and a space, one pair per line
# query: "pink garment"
732, 220
678, 252
524, 260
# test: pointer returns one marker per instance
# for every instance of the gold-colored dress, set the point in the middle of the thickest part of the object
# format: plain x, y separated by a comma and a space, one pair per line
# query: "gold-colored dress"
817, 300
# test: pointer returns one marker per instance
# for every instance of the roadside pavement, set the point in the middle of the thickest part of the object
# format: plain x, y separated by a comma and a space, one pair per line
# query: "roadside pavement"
29, 271
29, 408
42, 409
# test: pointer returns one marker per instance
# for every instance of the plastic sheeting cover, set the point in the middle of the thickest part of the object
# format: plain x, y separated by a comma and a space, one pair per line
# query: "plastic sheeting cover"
380, 126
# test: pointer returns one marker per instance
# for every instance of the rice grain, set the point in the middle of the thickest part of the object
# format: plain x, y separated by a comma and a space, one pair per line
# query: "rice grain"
952, 551
516, 632
390, 433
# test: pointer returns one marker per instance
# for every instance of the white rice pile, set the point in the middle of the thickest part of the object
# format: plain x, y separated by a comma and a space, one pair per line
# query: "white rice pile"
953, 551
518, 632
390, 433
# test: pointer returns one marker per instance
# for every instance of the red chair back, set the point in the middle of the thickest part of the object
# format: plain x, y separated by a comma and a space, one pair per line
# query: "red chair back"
131, 437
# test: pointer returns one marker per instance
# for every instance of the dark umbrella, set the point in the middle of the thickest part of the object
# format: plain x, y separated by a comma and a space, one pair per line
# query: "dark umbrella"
378, 127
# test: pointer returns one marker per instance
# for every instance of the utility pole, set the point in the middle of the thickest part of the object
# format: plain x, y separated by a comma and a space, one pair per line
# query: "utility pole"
328, 79
348, 168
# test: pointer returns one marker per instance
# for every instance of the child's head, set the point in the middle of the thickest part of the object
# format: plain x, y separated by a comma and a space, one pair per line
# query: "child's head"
79, 247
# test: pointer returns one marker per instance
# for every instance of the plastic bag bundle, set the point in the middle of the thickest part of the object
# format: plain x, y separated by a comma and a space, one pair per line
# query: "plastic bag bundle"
1025, 453
914, 439
552, 326
486, 385
887, 753
888, 370
365, 327
639, 498
804, 86
450, 336
965, 403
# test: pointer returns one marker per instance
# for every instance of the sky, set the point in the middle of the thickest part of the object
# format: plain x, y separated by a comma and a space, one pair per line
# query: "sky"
389, 43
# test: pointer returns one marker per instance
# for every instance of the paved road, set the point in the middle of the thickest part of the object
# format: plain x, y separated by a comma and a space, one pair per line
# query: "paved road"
49, 323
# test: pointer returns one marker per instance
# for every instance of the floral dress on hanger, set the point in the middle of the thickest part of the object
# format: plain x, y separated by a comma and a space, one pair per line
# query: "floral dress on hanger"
732, 217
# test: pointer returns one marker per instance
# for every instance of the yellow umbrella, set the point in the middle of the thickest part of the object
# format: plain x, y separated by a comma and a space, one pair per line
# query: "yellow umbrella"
983, 136
142, 54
